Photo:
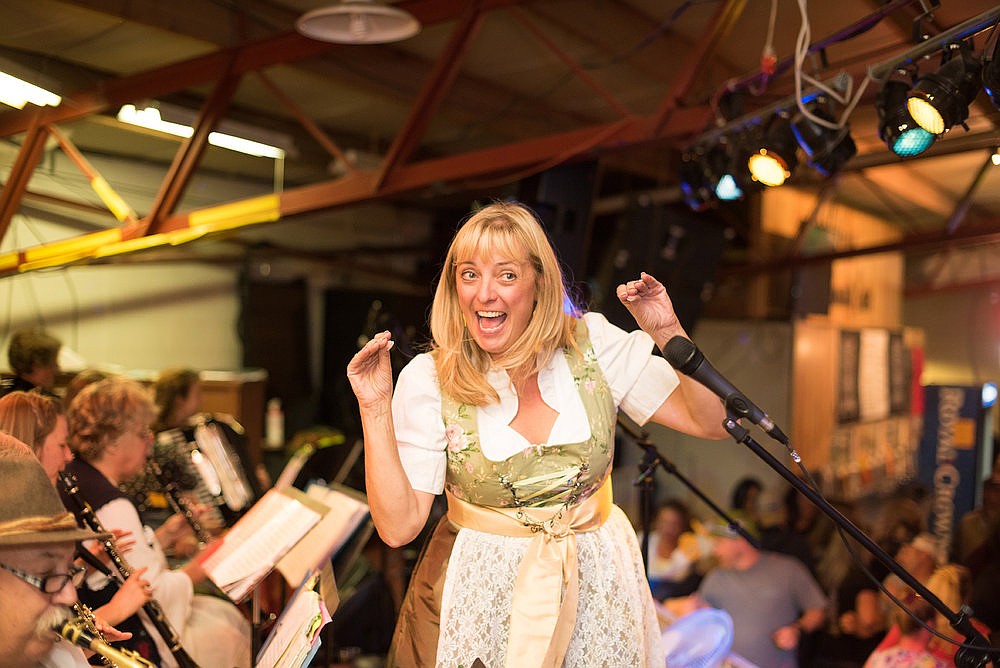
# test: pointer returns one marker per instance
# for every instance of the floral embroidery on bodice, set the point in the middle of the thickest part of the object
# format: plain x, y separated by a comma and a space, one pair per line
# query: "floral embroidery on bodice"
540, 475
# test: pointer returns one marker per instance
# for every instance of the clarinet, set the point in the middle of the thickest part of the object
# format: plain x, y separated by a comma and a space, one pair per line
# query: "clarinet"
178, 503
85, 514
81, 632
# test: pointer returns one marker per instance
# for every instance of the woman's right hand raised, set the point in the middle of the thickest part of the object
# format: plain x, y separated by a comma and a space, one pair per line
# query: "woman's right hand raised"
370, 371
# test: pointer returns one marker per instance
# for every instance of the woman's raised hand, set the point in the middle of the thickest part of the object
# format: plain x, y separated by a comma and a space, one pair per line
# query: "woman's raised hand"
648, 302
370, 371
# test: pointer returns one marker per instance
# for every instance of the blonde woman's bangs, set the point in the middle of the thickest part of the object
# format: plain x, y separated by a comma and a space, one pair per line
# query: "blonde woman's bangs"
496, 236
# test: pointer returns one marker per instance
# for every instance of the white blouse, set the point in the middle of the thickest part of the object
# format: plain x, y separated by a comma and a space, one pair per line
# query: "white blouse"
640, 382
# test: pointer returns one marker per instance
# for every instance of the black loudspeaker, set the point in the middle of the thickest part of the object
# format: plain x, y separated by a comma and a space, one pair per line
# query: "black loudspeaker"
274, 329
679, 247
562, 198
352, 318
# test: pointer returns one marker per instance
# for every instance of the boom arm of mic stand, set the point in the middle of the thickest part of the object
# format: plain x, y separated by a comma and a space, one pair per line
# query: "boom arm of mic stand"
654, 458
976, 651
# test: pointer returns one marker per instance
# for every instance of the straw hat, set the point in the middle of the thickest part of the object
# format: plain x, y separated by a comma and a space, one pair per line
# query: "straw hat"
30, 510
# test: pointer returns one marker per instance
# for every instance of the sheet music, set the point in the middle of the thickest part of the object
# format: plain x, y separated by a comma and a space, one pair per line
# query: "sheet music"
295, 637
328, 536
252, 547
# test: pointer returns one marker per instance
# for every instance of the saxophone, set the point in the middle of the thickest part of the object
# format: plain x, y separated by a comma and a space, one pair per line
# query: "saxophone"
86, 620
82, 631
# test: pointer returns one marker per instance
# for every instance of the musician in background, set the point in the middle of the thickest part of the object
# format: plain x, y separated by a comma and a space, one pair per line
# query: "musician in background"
219, 481
109, 431
33, 355
37, 544
37, 421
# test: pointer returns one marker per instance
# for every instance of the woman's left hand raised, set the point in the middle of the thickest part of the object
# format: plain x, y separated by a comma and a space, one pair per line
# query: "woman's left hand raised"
648, 302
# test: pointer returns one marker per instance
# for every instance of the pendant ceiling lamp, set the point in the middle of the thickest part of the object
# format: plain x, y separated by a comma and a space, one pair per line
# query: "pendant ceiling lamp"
358, 22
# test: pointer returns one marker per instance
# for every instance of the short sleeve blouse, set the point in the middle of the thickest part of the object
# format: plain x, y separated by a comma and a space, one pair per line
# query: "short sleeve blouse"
640, 382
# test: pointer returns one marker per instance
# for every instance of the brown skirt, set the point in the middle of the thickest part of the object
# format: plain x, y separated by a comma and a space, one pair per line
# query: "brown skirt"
414, 643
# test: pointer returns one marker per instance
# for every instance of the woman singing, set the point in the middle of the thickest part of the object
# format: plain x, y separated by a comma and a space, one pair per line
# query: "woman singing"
512, 415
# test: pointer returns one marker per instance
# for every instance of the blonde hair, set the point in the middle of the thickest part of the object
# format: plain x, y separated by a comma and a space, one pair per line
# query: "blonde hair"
103, 411
511, 231
952, 583
29, 416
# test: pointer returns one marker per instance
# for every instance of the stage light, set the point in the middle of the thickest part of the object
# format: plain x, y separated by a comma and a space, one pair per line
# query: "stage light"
721, 172
941, 99
699, 193
774, 159
828, 148
895, 125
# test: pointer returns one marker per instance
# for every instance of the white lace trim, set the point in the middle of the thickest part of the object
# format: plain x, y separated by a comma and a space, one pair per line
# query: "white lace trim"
616, 623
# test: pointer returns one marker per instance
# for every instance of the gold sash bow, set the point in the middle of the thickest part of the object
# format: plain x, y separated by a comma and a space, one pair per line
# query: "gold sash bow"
543, 610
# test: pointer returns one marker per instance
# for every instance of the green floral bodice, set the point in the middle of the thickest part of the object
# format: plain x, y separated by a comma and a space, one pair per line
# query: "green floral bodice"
539, 475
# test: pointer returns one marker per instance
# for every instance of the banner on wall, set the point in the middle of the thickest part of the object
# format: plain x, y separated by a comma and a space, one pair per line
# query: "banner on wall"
950, 454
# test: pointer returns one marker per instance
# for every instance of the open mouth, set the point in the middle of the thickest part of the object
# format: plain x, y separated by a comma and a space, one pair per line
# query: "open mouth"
490, 320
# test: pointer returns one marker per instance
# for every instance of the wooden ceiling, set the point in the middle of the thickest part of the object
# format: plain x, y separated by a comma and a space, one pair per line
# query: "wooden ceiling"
488, 93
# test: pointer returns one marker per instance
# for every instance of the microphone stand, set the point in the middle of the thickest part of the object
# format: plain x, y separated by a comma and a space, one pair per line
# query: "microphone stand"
646, 482
976, 651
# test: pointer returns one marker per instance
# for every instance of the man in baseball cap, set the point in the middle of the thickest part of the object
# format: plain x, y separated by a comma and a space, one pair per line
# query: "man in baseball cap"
37, 544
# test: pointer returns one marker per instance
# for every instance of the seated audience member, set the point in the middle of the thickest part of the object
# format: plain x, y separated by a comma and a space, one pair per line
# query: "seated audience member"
901, 519
109, 431
797, 532
984, 567
673, 552
33, 355
920, 557
772, 598
911, 649
858, 622
36, 420
37, 544
952, 584
745, 497
977, 524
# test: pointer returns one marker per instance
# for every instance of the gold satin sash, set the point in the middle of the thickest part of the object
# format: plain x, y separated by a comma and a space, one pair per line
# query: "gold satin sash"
543, 610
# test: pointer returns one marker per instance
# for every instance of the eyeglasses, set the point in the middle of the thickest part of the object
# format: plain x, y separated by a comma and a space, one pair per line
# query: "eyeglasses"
52, 583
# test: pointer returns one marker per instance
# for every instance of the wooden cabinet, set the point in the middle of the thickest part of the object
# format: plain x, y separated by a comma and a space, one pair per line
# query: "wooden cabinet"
240, 394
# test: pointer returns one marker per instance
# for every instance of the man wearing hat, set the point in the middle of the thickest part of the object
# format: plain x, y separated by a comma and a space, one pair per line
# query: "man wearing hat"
37, 543
772, 598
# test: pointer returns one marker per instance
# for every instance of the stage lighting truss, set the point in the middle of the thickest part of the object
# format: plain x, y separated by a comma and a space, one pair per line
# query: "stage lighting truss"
827, 144
940, 100
774, 159
895, 125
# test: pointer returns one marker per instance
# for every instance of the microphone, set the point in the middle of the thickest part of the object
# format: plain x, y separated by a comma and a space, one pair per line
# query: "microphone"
684, 356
